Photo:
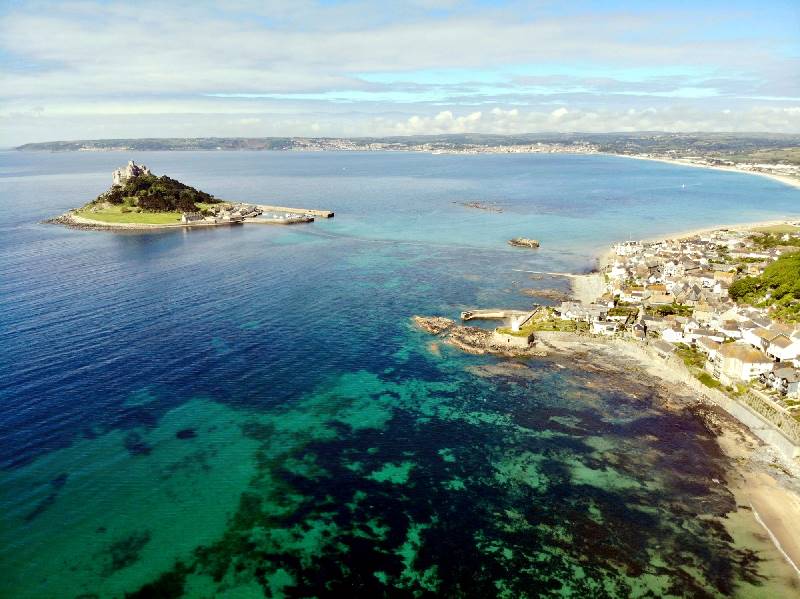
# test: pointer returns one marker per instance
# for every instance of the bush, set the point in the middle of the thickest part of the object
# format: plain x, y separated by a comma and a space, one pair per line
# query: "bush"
708, 380
743, 287
781, 280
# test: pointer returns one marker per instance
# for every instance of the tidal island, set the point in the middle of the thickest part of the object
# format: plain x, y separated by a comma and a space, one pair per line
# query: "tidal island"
138, 199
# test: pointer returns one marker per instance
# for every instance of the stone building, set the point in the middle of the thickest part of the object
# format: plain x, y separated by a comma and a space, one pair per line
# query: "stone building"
121, 175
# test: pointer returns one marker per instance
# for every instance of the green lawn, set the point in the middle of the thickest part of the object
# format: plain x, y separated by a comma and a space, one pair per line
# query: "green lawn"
555, 324
692, 357
114, 214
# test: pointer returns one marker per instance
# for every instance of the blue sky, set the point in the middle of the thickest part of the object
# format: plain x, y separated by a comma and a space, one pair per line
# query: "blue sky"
90, 69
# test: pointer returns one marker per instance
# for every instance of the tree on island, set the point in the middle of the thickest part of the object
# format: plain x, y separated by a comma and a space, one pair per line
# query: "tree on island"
156, 194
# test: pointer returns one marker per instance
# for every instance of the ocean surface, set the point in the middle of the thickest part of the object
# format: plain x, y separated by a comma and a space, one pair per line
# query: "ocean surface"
248, 411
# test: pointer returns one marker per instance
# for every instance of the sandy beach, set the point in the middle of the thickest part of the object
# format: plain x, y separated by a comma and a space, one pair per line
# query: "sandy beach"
785, 179
733, 227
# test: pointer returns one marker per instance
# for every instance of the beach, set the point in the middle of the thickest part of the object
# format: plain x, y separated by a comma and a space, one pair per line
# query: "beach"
785, 179
774, 500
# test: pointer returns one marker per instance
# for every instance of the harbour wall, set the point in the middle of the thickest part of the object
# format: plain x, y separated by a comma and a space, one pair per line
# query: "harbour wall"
314, 212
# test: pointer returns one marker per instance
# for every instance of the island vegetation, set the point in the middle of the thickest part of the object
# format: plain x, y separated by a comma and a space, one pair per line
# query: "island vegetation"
138, 199
138, 196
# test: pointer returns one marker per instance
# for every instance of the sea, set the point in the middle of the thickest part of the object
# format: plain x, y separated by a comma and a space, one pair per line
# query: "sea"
248, 411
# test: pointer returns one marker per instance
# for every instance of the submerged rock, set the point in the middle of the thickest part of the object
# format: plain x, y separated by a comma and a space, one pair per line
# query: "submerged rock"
481, 206
552, 294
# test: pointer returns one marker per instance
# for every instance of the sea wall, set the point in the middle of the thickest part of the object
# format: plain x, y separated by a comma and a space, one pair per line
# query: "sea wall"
758, 423
313, 212
513, 341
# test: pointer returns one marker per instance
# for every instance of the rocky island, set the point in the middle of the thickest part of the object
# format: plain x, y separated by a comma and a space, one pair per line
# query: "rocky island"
138, 199
524, 242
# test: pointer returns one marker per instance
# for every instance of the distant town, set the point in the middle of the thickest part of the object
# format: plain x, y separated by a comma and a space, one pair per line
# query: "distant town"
776, 155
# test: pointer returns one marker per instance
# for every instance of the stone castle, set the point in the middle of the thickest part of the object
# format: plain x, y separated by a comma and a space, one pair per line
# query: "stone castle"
121, 175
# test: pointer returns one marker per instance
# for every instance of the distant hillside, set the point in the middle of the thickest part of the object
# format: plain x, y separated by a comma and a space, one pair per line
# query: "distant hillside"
770, 148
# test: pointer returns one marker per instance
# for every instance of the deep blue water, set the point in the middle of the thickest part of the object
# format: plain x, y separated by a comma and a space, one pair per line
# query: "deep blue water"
259, 393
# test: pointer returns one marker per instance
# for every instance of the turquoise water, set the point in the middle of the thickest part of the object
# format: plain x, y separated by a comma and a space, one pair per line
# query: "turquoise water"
248, 412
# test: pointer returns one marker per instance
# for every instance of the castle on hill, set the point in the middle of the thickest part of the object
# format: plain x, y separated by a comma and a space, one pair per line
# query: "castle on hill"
122, 174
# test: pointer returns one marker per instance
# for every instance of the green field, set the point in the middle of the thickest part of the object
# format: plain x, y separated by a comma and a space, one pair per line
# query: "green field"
780, 229
552, 324
769, 156
114, 214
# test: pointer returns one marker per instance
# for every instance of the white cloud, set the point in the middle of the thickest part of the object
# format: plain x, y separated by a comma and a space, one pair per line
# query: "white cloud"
103, 63
591, 121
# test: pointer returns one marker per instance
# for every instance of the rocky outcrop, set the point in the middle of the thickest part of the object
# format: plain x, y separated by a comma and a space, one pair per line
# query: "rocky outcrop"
473, 340
523, 242
435, 325
122, 174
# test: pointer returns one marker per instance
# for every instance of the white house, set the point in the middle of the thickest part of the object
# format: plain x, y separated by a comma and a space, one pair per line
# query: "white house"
784, 380
738, 362
783, 348
671, 335
605, 327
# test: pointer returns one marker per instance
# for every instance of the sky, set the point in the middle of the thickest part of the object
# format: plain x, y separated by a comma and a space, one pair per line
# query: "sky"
90, 69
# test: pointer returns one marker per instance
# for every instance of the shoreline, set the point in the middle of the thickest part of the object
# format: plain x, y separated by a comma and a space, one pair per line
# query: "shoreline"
762, 481
775, 506
738, 227
758, 476
785, 179
70, 220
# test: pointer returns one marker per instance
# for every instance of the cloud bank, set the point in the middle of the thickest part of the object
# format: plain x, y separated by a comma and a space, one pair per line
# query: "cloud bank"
91, 68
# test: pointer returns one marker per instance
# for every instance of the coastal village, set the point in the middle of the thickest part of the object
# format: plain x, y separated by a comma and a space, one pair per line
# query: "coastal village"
673, 300
675, 295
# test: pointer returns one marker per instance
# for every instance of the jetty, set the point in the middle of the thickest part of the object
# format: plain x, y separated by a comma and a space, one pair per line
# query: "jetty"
295, 219
311, 211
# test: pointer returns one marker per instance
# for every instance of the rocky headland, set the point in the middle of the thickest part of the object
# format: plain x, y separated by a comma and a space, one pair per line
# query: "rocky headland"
473, 340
